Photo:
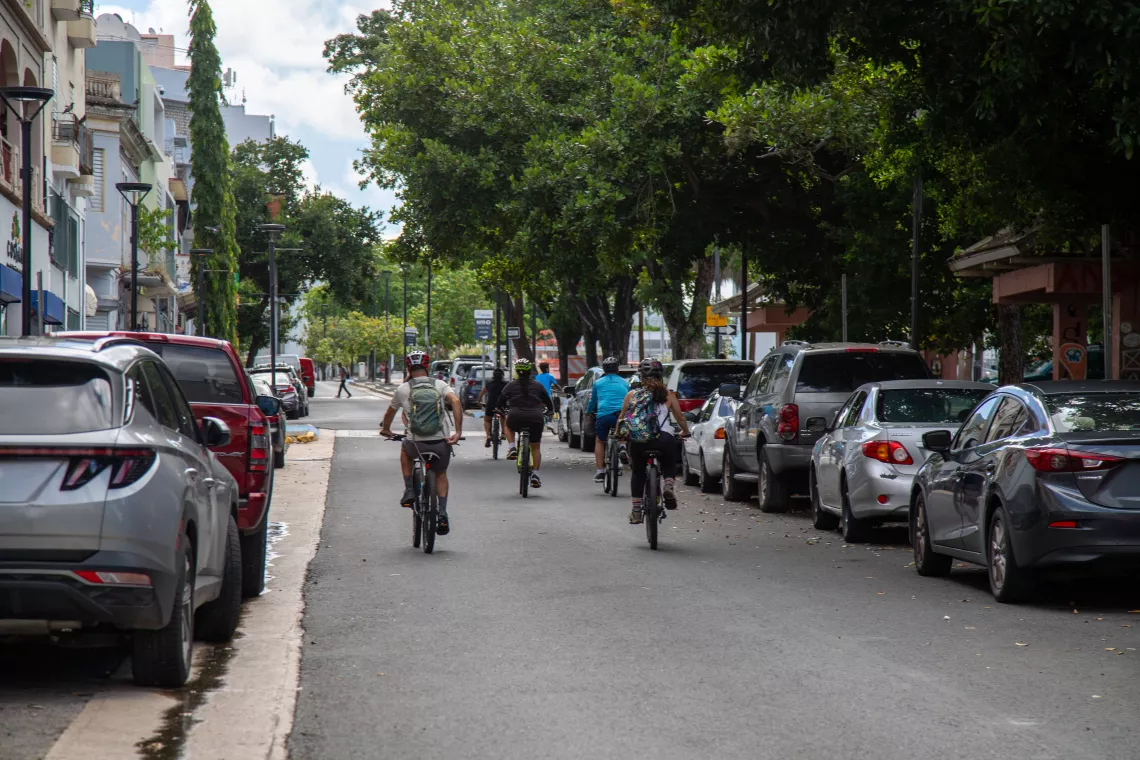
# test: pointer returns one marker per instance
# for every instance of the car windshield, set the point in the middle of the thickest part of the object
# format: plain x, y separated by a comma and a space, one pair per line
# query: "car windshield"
701, 380
1094, 412
928, 405
206, 375
846, 371
54, 397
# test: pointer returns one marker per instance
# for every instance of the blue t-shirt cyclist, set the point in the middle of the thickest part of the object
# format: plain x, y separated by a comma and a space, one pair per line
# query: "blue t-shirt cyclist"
606, 397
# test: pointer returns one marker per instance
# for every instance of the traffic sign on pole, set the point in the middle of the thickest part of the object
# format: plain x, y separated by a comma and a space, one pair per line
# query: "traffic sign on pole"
728, 331
513, 333
714, 320
410, 335
484, 324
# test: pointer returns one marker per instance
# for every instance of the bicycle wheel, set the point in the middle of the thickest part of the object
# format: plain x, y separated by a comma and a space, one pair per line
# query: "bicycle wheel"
417, 507
524, 464
495, 438
651, 504
614, 467
431, 512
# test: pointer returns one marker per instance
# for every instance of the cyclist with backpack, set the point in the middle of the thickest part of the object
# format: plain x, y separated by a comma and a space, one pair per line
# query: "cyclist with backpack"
422, 400
645, 418
606, 398
528, 404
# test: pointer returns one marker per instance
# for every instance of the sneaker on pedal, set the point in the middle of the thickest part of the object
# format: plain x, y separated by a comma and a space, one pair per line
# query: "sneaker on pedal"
600, 476
409, 498
636, 517
535, 481
670, 499
487, 443
513, 453
442, 526
623, 455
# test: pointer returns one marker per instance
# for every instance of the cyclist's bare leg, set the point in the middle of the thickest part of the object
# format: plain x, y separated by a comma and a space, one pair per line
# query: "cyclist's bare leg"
599, 454
535, 456
441, 484
405, 463
487, 428
509, 433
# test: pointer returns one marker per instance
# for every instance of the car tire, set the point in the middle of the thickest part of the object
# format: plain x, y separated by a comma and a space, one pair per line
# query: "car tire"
853, 530
821, 519
690, 477
278, 459
162, 658
254, 547
770, 488
731, 488
926, 561
575, 440
290, 415
562, 434
1010, 583
217, 620
707, 482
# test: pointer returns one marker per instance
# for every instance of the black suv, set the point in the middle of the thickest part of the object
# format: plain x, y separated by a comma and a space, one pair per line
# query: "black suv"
768, 442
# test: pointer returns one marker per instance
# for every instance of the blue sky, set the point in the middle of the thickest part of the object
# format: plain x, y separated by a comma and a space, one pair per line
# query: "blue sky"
275, 48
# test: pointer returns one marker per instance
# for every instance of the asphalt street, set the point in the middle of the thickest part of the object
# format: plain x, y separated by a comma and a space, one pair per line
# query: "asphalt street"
547, 628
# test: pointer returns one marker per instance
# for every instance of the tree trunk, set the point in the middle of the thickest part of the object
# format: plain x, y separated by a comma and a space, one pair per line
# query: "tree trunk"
1011, 358
567, 347
686, 326
611, 325
591, 349
518, 319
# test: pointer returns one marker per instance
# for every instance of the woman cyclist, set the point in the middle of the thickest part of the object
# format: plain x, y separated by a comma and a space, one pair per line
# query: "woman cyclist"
662, 403
489, 397
528, 404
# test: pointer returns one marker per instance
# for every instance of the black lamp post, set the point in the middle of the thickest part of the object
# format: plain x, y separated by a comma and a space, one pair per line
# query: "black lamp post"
272, 231
388, 362
201, 253
21, 100
133, 193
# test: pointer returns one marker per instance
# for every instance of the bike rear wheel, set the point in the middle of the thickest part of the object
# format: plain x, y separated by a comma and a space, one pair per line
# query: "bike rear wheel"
524, 464
614, 467
417, 509
651, 504
431, 512
495, 438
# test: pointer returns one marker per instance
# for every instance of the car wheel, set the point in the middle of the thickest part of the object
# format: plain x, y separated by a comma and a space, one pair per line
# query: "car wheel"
708, 482
278, 459
562, 434
687, 473
253, 550
820, 518
926, 562
575, 440
731, 488
1009, 582
770, 488
162, 658
217, 620
854, 530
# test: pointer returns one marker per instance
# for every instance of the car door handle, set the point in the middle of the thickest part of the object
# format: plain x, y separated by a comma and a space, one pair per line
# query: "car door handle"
191, 473
210, 482
991, 469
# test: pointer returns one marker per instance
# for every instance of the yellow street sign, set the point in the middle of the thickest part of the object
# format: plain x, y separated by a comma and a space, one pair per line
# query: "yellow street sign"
714, 320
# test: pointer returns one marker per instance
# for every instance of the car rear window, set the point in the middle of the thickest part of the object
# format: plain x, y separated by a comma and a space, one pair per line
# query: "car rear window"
43, 397
1094, 412
206, 375
844, 372
928, 405
701, 380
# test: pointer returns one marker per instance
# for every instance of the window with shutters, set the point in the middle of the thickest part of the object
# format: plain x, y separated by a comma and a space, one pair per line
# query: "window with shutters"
98, 164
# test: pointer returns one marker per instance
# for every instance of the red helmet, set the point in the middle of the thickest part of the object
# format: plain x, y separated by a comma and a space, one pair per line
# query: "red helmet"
417, 360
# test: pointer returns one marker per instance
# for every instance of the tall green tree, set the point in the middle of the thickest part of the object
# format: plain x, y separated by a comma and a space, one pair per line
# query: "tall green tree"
214, 215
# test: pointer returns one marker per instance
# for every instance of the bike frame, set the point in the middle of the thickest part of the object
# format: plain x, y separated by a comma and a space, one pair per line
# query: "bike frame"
522, 440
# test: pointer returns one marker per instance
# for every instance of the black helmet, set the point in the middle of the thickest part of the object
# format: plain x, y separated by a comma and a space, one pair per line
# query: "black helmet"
610, 364
650, 368
497, 373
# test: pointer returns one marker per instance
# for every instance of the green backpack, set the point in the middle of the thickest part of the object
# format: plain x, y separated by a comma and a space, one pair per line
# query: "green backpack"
427, 408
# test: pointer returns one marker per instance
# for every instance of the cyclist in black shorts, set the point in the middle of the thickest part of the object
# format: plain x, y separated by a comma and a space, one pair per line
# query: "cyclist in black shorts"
529, 403
489, 397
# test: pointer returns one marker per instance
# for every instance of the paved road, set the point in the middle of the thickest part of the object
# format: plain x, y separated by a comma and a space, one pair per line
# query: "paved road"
546, 628
362, 411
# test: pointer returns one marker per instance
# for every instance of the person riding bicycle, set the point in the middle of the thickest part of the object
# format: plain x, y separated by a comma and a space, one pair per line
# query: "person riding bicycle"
606, 397
491, 392
645, 417
528, 404
422, 400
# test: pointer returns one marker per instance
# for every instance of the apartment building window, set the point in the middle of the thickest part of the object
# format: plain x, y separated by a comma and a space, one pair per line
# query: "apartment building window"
98, 164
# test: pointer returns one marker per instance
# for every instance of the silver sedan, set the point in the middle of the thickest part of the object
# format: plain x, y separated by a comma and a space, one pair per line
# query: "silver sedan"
704, 450
864, 464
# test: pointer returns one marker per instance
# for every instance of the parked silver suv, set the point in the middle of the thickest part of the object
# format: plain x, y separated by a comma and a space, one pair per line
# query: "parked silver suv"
113, 511
767, 441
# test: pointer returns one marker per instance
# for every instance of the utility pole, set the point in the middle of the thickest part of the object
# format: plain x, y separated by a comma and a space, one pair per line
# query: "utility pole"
716, 290
133, 193
271, 231
427, 329
388, 364
372, 359
744, 301
916, 233
640, 333
498, 324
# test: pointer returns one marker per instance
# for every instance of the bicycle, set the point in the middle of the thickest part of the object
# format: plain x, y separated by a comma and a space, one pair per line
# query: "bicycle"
613, 464
522, 439
425, 509
496, 435
653, 510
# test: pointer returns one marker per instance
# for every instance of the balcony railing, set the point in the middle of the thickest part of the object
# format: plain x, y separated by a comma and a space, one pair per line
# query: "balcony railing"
67, 129
104, 85
87, 7
9, 165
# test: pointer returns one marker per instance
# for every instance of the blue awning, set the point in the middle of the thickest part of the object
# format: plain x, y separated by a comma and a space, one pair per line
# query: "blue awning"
54, 311
11, 284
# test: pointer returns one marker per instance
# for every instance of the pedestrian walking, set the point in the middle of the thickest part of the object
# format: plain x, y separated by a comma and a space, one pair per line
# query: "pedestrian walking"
343, 380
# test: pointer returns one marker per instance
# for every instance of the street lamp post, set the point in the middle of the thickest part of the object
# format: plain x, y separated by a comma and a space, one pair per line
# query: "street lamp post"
272, 231
26, 98
201, 253
372, 358
388, 363
133, 193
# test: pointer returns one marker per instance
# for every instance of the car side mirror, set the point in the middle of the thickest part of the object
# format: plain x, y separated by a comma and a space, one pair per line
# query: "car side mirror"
691, 416
817, 424
569, 390
937, 441
270, 406
215, 433
730, 390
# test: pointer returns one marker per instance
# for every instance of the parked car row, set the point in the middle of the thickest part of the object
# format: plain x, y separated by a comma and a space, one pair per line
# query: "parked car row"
138, 482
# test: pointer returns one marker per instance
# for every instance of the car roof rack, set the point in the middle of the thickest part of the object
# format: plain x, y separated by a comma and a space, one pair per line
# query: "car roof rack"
117, 340
894, 343
794, 342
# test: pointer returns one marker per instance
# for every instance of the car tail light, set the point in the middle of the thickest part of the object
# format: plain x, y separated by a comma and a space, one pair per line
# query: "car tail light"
890, 452
258, 446
1063, 460
868, 350
286, 389
789, 426
470, 383
104, 578
719, 434
1069, 524
84, 465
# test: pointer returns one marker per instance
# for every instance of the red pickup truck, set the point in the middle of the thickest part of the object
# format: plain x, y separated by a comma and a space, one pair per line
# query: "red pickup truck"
215, 384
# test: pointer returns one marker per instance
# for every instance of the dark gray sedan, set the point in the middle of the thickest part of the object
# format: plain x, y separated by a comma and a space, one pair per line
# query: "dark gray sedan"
1041, 475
